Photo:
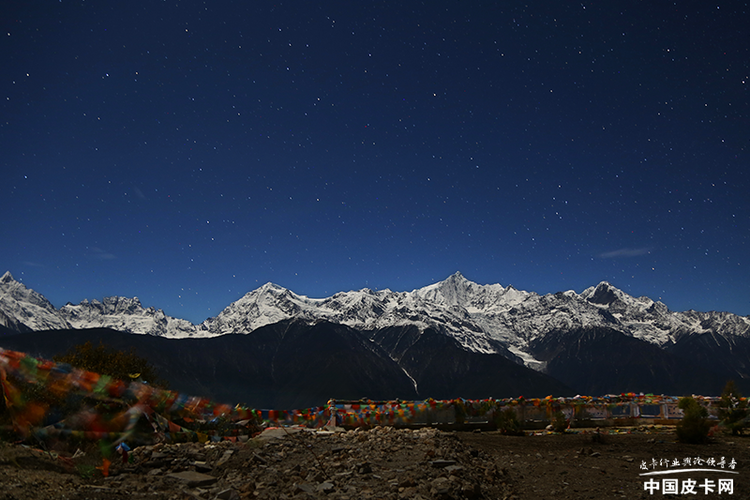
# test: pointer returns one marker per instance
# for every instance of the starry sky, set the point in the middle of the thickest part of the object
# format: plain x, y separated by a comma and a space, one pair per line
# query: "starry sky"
187, 152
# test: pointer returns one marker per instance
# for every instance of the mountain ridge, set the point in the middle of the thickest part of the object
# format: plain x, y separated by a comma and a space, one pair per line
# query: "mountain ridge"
486, 319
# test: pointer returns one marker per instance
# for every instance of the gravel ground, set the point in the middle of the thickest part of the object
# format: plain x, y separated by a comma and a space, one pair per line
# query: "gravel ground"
382, 462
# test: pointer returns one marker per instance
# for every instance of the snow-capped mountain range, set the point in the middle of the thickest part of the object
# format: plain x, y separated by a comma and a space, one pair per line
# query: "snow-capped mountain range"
482, 318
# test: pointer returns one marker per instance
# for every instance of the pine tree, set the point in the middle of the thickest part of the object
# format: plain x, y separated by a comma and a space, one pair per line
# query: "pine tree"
733, 410
694, 426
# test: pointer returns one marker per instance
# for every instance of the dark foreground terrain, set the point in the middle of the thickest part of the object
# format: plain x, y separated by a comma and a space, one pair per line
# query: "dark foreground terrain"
381, 463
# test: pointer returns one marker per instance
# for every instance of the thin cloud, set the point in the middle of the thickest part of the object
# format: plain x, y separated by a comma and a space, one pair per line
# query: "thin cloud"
625, 252
99, 254
139, 193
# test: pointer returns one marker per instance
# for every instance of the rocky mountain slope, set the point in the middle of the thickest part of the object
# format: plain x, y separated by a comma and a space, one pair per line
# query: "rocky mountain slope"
293, 364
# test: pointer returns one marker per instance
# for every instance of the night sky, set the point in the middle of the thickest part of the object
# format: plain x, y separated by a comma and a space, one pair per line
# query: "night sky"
188, 152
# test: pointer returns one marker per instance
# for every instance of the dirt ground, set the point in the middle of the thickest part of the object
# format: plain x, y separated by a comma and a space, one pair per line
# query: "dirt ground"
386, 463
577, 466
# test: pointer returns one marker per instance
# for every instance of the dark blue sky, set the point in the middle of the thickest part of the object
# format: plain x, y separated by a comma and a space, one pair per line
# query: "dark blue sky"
188, 152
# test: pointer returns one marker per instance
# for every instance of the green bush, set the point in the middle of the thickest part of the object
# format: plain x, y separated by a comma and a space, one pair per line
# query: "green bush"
507, 423
559, 422
732, 409
694, 426
108, 361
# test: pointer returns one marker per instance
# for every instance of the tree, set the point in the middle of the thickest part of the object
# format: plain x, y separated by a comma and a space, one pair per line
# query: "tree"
733, 410
123, 365
694, 426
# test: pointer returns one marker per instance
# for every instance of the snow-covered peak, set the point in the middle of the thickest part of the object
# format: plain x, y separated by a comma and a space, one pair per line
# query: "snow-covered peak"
452, 291
270, 288
615, 300
127, 315
11, 288
604, 294
268, 304
476, 299
23, 309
